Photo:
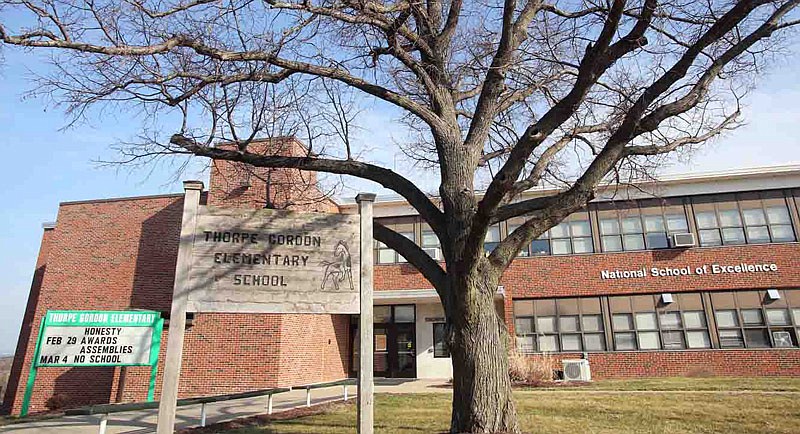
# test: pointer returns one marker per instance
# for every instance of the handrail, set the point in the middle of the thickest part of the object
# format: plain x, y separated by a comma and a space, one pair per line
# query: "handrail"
106, 409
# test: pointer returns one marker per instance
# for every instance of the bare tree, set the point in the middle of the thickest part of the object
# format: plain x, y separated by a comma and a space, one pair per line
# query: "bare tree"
500, 95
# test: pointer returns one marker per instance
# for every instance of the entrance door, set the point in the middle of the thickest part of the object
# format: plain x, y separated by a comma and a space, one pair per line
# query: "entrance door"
394, 347
405, 356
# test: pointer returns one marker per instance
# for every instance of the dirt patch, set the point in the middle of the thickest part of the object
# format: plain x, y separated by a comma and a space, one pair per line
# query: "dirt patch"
265, 419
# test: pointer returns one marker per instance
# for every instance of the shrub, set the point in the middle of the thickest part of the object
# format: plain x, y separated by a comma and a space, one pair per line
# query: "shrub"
58, 401
530, 369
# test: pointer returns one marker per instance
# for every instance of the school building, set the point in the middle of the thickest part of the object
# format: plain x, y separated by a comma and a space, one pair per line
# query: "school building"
691, 275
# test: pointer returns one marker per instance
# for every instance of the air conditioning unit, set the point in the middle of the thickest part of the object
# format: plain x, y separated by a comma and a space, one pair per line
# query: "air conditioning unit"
577, 370
433, 252
782, 339
683, 240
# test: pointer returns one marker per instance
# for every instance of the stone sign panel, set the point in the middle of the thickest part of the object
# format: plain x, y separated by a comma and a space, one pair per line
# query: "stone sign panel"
274, 261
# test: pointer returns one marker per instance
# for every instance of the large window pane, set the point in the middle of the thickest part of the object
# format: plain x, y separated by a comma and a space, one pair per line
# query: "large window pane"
677, 223
649, 341
782, 233
710, 237
733, 236
754, 216
731, 339
570, 342
546, 324
671, 320
778, 317
624, 341
623, 321
756, 338
646, 321
698, 339
560, 231
526, 344
633, 242
540, 247
752, 317
523, 326
581, 228
729, 218
382, 314
726, 318
582, 245
654, 223
609, 226
778, 215
568, 324
612, 243
705, 219
548, 343
673, 340
594, 323
632, 225
561, 246
657, 241
594, 342
694, 319
439, 341
386, 256
757, 234
404, 314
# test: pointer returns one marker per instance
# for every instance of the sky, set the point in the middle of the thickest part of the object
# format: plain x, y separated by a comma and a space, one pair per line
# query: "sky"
44, 164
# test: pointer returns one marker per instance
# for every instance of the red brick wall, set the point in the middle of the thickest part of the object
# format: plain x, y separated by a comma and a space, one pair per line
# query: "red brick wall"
579, 275
724, 363
116, 254
240, 186
27, 328
560, 276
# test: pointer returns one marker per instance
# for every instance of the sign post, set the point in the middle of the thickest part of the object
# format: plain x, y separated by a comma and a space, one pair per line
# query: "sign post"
366, 383
177, 317
268, 261
69, 338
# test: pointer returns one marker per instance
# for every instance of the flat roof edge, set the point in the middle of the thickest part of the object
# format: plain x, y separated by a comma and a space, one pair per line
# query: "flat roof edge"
120, 199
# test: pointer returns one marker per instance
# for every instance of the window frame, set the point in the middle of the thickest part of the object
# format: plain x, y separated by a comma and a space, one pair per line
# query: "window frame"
557, 333
793, 327
660, 328
740, 202
437, 355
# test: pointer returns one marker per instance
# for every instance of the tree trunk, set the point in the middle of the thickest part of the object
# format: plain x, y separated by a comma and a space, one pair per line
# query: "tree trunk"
482, 399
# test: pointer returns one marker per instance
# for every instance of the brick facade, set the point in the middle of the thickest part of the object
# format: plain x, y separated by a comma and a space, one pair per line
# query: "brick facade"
121, 253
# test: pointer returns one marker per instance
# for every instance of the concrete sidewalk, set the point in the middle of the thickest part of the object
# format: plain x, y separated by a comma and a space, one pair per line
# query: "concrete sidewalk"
144, 421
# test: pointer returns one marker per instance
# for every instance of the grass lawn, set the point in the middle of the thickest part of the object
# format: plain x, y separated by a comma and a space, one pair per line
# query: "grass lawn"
603, 407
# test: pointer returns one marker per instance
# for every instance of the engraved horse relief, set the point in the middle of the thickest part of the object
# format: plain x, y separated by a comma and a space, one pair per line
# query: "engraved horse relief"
339, 271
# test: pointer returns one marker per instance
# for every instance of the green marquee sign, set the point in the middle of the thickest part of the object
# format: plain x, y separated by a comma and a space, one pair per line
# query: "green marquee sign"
70, 338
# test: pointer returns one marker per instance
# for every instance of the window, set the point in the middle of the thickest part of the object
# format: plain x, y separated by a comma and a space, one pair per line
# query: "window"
492, 238
430, 243
439, 341
641, 323
559, 325
748, 319
383, 253
572, 235
639, 226
745, 218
